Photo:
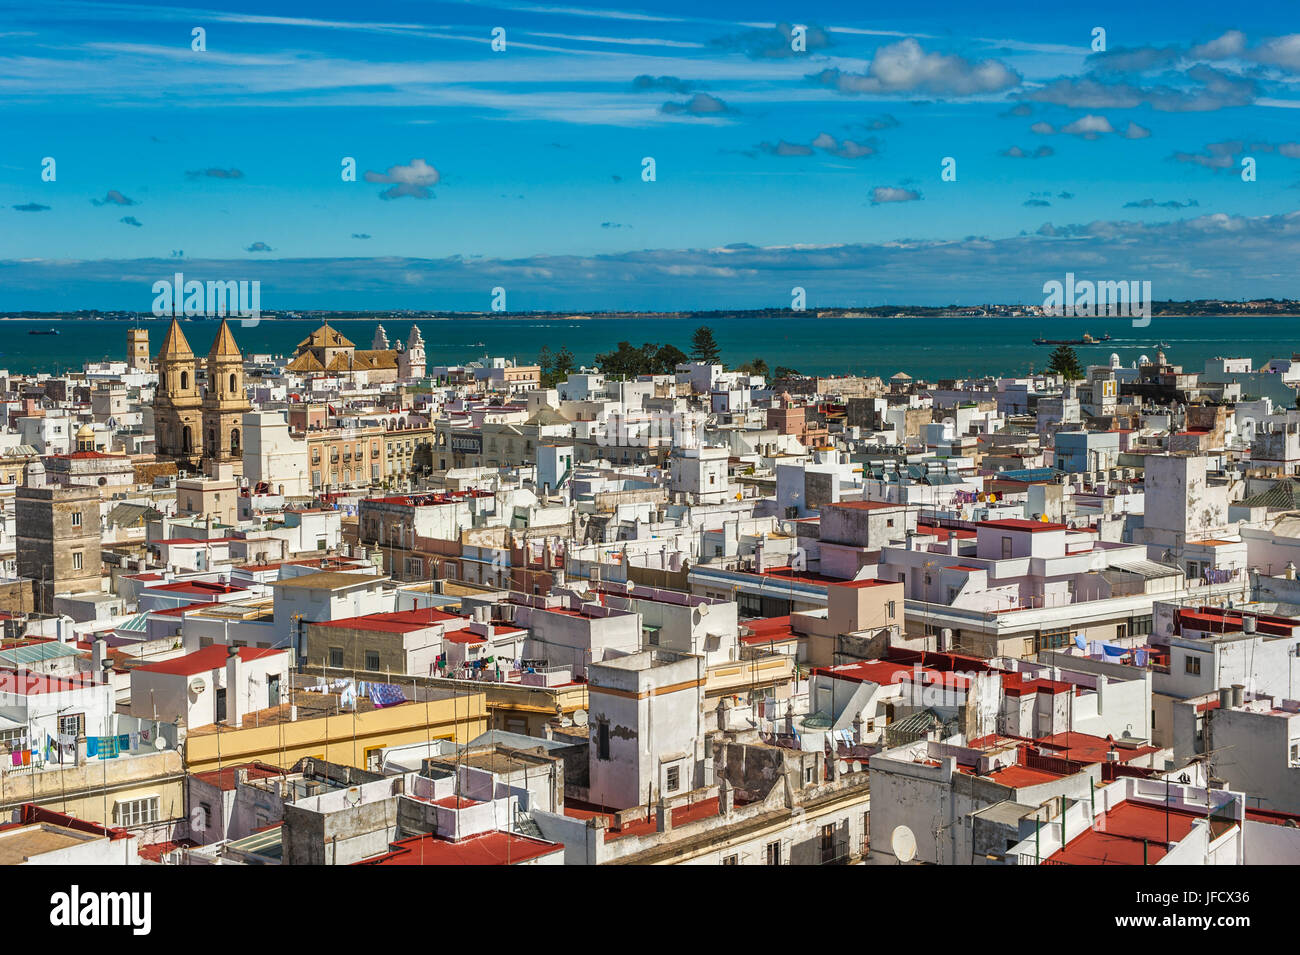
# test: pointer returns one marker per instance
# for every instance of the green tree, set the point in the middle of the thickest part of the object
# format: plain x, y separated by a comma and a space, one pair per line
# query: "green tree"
785, 371
756, 367
667, 358
627, 360
555, 365
1065, 362
704, 347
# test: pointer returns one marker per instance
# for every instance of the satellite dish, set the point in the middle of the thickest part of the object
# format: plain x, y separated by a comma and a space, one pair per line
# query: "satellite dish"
841, 766
579, 717
857, 765
565, 721
198, 685
160, 744
903, 844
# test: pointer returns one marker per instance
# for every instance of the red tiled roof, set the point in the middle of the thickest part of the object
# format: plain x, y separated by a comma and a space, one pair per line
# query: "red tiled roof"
456, 802
464, 636
203, 661
400, 621
1130, 834
155, 852
27, 683
1020, 524
864, 505
943, 533
769, 630
1015, 684
692, 812
885, 672
1091, 749
197, 588
224, 779
492, 848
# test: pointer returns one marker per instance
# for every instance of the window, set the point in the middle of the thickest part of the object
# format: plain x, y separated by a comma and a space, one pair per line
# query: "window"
372, 659
205, 816
828, 843
808, 774
774, 853
135, 812
674, 780
1192, 665
336, 656
1140, 625
891, 610
1054, 639
1006, 548
76, 560
76, 518
602, 739
731, 860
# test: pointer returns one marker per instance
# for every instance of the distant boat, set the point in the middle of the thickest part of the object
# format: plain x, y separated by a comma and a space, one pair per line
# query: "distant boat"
47, 331
1085, 340
478, 345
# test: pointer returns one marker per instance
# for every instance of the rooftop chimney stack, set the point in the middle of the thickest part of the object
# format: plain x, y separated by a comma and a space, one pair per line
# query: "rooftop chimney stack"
234, 687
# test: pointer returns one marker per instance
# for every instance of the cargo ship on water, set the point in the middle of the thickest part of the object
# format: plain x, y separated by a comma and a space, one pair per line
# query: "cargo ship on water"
1085, 340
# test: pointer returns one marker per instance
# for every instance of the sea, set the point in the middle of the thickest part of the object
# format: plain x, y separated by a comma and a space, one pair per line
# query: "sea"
923, 347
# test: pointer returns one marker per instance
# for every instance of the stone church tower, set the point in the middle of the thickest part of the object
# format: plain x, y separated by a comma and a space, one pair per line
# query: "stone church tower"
178, 416
224, 403
137, 349
411, 362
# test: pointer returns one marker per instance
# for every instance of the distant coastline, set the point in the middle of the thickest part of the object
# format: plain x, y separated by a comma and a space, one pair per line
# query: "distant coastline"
1200, 308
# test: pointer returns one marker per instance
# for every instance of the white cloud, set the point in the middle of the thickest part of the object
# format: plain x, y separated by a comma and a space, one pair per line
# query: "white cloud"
904, 67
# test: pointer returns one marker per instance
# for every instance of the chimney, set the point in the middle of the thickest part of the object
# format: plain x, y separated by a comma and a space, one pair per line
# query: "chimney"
663, 817
98, 651
234, 687
726, 798
1225, 697
1238, 694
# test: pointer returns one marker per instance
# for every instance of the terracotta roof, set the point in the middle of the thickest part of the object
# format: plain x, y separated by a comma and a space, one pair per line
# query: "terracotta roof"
492, 848
204, 661
325, 337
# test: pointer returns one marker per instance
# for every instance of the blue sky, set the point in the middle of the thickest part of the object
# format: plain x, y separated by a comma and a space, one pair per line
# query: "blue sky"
522, 169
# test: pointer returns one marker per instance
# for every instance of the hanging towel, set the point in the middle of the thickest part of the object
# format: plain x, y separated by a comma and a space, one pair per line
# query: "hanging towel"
1080, 642
92, 745
17, 757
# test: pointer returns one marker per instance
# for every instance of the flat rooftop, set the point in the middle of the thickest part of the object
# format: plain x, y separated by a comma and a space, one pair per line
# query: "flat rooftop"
1130, 834
19, 845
